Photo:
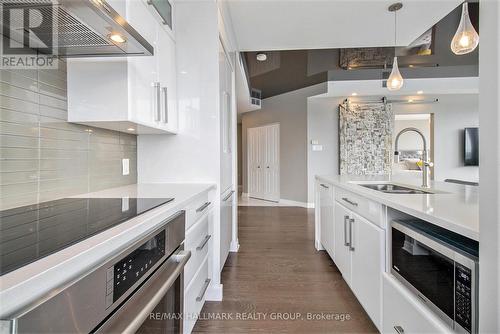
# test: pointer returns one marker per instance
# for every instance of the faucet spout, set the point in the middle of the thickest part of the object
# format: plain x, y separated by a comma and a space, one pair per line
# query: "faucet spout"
425, 154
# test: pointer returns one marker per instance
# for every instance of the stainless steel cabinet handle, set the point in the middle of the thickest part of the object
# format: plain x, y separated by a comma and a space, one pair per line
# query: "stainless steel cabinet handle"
203, 290
346, 218
399, 329
351, 224
164, 90
203, 207
324, 186
157, 102
228, 196
203, 243
345, 199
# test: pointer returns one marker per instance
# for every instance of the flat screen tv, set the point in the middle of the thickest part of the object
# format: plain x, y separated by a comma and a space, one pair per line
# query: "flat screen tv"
471, 147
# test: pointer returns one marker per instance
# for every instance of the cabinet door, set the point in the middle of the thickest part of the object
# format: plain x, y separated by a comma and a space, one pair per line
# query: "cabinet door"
166, 64
226, 119
144, 90
367, 265
341, 237
327, 218
226, 226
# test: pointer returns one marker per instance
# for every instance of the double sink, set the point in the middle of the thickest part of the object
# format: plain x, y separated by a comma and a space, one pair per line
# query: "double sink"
392, 188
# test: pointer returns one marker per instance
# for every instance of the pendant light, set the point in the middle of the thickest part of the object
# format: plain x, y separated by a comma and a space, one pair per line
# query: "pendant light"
466, 38
395, 80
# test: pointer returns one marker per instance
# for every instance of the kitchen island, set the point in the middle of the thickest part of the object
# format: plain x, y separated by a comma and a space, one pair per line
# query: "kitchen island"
355, 219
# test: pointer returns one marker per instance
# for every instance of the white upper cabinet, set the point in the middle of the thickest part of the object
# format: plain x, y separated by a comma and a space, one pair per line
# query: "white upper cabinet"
128, 94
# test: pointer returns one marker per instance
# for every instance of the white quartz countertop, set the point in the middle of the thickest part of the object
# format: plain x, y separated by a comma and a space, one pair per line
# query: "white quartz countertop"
34, 282
453, 206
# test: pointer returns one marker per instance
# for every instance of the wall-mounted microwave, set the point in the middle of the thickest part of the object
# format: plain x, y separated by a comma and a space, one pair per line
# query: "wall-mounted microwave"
441, 268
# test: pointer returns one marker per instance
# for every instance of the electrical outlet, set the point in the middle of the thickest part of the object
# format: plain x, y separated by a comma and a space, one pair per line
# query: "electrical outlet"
125, 204
317, 147
125, 166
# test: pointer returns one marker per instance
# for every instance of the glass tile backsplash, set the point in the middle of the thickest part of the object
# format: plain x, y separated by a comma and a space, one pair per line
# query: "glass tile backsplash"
42, 156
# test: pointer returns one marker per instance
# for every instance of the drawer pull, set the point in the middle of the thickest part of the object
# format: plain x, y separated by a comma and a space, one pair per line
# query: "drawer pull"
203, 243
346, 218
203, 290
399, 329
228, 196
345, 199
203, 207
324, 186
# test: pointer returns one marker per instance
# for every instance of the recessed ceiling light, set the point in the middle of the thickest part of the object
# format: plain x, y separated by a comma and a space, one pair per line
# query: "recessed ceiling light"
117, 38
420, 92
261, 57
354, 94
131, 129
184, 72
410, 100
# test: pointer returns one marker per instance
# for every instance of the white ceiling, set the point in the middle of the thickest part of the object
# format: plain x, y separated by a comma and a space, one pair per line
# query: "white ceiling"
314, 24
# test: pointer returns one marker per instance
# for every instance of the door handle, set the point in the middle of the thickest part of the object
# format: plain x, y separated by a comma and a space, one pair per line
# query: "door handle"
399, 329
203, 290
324, 186
351, 223
157, 102
203, 243
346, 218
345, 199
164, 91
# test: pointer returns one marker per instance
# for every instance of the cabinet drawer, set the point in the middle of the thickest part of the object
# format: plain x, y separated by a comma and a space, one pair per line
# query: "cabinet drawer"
367, 208
196, 208
198, 242
194, 296
402, 312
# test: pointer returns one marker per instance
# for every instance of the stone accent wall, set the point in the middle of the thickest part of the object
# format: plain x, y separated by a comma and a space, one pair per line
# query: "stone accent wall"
366, 139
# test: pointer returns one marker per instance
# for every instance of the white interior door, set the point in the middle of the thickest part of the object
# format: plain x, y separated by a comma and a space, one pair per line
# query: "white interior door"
263, 162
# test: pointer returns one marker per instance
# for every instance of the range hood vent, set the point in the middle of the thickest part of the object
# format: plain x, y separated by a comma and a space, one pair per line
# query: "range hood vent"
80, 28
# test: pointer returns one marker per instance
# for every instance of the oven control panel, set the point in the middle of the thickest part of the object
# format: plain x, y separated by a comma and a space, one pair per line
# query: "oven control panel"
126, 272
463, 296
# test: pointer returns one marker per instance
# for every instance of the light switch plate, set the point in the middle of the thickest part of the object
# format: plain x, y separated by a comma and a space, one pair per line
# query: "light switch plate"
125, 166
314, 142
125, 204
317, 148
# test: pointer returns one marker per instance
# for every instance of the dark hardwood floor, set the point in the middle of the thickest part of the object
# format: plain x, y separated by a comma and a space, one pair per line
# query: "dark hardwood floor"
278, 273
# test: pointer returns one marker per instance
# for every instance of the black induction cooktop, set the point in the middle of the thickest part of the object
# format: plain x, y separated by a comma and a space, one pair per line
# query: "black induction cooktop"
32, 232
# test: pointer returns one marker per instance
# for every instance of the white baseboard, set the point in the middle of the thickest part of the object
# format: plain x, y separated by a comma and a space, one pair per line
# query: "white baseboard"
234, 246
295, 203
214, 293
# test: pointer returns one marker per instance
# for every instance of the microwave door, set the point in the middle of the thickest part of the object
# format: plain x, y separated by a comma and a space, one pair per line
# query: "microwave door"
428, 272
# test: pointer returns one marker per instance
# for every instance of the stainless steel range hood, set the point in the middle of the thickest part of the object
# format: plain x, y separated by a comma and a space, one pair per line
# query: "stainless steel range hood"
82, 28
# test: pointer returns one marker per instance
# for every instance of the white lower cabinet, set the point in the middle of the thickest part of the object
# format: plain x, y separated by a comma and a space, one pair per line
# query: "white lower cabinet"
198, 240
342, 253
326, 218
359, 255
367, 265
226, 226
194, 296
403, 313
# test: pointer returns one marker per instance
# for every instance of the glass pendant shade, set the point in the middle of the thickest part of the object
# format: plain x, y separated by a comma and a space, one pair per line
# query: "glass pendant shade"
466, 38
395, 81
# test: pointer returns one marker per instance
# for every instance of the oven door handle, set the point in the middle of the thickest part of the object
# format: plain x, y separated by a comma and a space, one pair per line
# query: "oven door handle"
132, 314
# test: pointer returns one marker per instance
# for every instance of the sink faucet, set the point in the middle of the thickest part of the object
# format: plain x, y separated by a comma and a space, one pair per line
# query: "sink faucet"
425, 155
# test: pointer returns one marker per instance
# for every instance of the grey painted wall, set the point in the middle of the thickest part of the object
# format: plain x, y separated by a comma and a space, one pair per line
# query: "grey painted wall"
322, 126
44, 157
290, 111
